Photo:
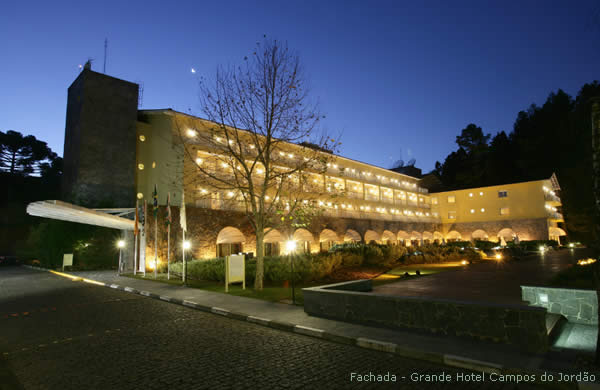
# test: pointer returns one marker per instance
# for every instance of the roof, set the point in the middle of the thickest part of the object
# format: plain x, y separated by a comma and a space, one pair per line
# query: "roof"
56, 209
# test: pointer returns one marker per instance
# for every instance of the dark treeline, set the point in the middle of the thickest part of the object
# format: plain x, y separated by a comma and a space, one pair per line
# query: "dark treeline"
29, 171
552, 138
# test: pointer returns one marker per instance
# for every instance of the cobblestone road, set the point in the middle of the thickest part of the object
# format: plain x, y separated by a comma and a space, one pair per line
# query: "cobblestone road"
59, 334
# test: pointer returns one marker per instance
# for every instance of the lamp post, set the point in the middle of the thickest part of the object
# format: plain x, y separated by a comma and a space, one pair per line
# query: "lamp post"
186, 245
120, 245
290, 247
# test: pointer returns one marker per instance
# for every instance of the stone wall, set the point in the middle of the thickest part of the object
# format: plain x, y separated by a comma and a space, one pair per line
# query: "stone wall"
526, 229
520, 326
205, 224
579, 306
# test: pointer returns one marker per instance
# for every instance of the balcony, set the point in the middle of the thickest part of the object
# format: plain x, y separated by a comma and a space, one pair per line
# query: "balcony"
555, 216
551, 199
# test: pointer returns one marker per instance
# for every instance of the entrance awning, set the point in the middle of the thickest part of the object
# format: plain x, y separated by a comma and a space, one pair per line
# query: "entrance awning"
56, 209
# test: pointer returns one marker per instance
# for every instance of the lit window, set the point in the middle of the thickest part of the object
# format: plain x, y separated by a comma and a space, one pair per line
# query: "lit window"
141, 167
153, 164
481, 193
434, 201
142, 138
451, 214
504, 211
502, 194
451, 199
483, 210
472, 211
470, 194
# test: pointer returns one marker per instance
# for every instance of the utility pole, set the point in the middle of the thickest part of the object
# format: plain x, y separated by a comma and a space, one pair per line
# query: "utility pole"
105, 46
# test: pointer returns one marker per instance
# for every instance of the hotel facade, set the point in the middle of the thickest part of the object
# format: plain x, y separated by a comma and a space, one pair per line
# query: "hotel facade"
116, 153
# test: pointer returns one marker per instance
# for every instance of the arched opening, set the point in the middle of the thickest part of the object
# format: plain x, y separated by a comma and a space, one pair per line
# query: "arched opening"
507, 234
327, 239
479, 234
438, 237
352, 236
415, 238
453, 236
372, 237
303, 239
403, 238
427, 237
230, 241
555, 233
388, 238
272, 242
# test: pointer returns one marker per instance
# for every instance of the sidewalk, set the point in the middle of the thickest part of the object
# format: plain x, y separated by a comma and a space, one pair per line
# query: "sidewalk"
479, 356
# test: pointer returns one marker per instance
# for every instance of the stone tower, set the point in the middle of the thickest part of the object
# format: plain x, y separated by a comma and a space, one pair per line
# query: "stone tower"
99, 153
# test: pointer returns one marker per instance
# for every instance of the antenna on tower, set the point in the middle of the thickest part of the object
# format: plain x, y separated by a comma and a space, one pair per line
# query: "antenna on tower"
140, 93
105, 46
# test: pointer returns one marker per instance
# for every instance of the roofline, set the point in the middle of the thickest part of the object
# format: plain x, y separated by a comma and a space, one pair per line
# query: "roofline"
170, 111
495, 185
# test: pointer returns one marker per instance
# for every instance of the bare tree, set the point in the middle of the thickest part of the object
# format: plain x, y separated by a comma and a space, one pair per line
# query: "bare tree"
261, 150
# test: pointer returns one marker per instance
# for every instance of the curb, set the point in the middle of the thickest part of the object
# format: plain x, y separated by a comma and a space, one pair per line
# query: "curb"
382, 346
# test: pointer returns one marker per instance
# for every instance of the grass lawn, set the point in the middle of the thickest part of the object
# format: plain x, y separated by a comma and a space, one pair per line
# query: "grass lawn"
269, 293
283, 292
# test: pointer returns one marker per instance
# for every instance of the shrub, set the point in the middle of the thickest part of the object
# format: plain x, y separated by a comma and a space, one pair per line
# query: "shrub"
485, 245
307, 267
460, 244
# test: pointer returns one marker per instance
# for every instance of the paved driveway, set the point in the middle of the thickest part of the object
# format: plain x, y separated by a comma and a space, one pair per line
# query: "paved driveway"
489, 282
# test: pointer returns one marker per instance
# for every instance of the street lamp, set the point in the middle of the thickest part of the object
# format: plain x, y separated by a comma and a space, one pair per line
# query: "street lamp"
186, 245
120, 245
290, 247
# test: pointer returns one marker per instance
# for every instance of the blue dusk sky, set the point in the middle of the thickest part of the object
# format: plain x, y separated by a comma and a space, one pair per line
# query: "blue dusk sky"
398, 79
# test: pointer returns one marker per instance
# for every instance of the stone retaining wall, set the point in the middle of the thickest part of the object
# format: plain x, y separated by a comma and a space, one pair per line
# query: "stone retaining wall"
579, 306
521, 326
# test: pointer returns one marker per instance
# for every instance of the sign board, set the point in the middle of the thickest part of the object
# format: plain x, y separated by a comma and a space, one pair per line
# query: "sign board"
67, 260
235, 270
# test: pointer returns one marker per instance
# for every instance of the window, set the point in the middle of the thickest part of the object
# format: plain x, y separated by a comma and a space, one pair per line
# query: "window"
504, 211
451, 214
482, 210
451, 199
502, 194
472, 211
470, 194
433, 200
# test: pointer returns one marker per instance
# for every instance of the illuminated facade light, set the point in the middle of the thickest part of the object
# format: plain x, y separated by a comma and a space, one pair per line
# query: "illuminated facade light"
191, 133
141, 167
199, 161
142, 138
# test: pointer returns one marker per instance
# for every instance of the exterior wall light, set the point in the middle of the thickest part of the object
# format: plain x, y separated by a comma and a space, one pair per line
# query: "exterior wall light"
187, 245
120, 244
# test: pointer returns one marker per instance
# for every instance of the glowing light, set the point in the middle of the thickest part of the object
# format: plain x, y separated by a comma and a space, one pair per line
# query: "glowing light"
191, 133
141, 167
571, 245
252, 146
290, 246
140, 196
481, 193
586, 261
464, 262
198, 161
187, 245
230, 194
203, 191
498, 256
483, 210
542, 248
260, 171
472, 211
142, 138
193, 70
121, 244
470, 194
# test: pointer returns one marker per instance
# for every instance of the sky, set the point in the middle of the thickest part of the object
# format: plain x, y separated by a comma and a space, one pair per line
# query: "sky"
397, 79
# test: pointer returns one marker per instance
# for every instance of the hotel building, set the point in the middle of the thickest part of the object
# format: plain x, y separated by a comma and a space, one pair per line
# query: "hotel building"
116, 153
